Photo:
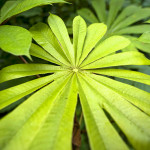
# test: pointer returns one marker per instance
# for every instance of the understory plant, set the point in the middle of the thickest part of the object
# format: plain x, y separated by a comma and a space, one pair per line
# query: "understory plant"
84, 69
14, 39
128, 21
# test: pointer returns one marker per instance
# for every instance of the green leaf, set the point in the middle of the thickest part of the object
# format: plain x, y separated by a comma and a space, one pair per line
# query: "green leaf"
100, 8
145, 37
59, 124
59, 29
100, 131
88, 15
15, 7
94, 33
137, 29
131, 47
41, 34
148, 21
23, 70
120, 59
142, 46
108, 46
145, 70
136, 96
115, 6
133, 122
47, 116
15, 40
126, 74
126, 12
137, 16
79, 34
19, 91
34, 115
39, 52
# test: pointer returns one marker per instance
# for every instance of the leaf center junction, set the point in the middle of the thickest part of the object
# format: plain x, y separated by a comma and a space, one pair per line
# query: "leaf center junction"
75, 70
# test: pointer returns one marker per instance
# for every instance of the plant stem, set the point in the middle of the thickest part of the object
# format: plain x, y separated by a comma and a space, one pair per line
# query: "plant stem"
76, 139
23, 59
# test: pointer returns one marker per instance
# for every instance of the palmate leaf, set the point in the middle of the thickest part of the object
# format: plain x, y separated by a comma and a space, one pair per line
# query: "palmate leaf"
45, 119
119, 21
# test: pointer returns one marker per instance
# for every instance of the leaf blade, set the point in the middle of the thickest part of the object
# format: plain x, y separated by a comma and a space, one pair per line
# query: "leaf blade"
59, 127
115, 6
126, 74
22, 70
19, 91
59, 29
88, 15
94, 33
79, 34
100, 131
120, 59
126, 115
108, 46
21, 44
43, 35
34, 114
100, 8
16, 7
39, 52
136, 29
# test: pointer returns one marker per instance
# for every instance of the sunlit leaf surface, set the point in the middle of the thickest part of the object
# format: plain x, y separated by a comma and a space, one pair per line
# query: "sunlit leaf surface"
84, 70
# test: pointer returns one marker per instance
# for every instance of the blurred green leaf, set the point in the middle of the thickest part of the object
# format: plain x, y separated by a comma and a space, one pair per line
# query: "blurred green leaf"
16, 7
15, 40
145, 37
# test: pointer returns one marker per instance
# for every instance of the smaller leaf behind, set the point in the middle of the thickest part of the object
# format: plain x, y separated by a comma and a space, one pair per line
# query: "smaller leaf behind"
100, 8
145, 37
88, 15
126, 12
115, 6
15, 40
134, 29
138, 15
15, 7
